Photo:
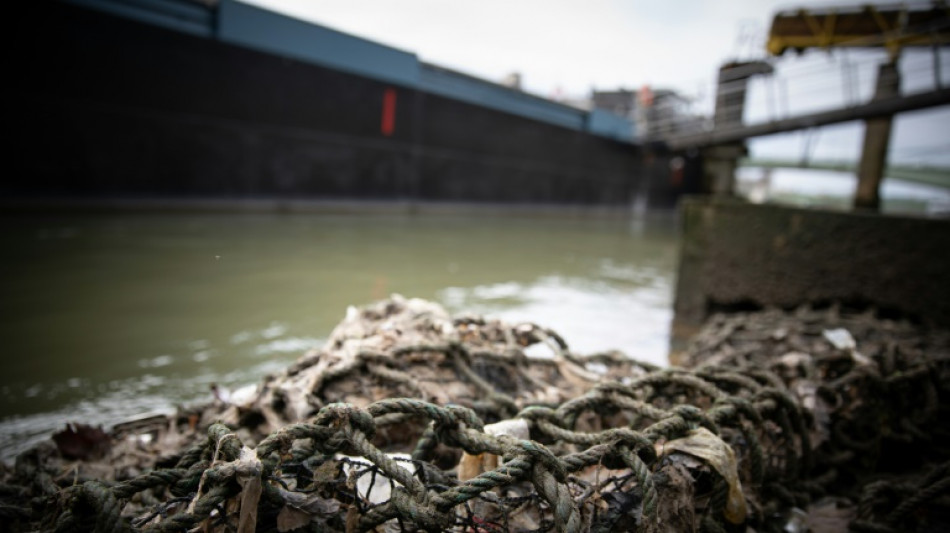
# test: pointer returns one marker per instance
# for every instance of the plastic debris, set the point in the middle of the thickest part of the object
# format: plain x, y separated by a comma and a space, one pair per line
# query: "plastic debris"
368, 432
840, 338
704, 444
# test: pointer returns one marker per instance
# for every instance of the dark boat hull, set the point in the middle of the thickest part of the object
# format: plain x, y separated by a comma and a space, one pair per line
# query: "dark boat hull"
109, 107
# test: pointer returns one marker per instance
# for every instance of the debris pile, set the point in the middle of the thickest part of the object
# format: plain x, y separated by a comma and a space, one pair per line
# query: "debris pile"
876, 390
409, 419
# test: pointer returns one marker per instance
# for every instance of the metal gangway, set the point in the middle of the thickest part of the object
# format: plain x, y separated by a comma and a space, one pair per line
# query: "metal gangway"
880, 61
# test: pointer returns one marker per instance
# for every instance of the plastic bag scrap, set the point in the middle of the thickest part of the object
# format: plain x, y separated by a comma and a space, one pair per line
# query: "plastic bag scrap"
705, 445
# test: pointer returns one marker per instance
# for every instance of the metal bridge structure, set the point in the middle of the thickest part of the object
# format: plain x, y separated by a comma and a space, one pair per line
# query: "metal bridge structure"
937, 176
911, 74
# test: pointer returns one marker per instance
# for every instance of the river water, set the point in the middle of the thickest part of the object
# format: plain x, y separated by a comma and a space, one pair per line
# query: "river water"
109, 316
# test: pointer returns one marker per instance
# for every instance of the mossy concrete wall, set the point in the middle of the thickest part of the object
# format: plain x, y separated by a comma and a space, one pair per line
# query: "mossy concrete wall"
741, 255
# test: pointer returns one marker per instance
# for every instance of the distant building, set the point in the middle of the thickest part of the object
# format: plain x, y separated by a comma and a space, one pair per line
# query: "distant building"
622, 102
512, 81
656, 113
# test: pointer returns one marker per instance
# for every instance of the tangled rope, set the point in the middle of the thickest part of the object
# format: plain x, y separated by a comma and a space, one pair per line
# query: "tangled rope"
727, 443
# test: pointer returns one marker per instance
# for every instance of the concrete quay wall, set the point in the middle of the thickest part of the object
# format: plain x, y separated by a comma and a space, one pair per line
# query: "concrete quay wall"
737, 255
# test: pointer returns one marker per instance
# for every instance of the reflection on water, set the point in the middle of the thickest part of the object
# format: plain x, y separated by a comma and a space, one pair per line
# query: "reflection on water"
110, 316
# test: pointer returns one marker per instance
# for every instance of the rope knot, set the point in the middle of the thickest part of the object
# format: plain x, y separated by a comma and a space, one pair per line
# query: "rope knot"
339, 415
422, 515
634, 441
223, 442
740, 406
695, 415
688, 413
448, 427
458, 413
543, 456
780, 397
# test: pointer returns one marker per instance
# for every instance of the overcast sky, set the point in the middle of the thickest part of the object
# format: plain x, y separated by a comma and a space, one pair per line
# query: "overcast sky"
575, 45
569, 47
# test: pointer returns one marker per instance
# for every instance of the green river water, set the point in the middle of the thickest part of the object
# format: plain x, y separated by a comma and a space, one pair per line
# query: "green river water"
109, 316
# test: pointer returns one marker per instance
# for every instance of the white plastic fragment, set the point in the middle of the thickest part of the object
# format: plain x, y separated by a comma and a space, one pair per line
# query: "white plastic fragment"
840, 338
539, 350
597, 368
243, 396
473, 465
797, 521
514, 427
374, 488
793, 360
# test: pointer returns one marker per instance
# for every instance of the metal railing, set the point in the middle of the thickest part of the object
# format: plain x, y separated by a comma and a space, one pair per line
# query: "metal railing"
797, 88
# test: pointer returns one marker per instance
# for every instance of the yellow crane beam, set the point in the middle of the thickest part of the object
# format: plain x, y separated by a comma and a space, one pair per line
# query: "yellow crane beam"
891, 27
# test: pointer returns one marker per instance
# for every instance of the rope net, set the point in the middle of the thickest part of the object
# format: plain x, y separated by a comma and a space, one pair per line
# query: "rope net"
409, 419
